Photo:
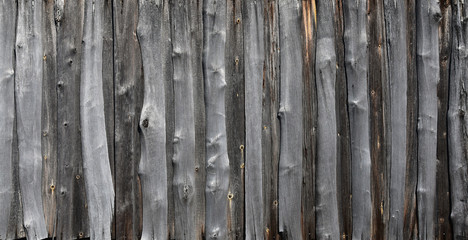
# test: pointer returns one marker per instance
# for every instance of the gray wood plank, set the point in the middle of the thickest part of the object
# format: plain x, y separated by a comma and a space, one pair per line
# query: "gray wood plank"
97, 172
356, 64
254, 55
183, 160
28, 96
49, 116
395, 19
326, 192
152, 169
127, 89
7, 108
72, 215
217, 161
457, 123
291, 122
427, 17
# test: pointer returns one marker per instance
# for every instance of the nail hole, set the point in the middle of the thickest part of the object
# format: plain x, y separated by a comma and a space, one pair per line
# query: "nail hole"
52, 187
196, 169
238, 21
275, 203
242, 166
80, 234
241, 147
237, 61
145, 123
230, 196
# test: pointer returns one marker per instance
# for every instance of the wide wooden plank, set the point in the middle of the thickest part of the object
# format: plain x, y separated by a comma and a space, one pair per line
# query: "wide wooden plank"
126, 90
7, 108
217, 161
28, 96
395, 19
153, 168
327, 152
254, 59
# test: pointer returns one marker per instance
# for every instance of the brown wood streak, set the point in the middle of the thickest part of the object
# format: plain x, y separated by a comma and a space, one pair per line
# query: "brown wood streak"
444, 227
309, 111
376, 79
410, 228
344, 151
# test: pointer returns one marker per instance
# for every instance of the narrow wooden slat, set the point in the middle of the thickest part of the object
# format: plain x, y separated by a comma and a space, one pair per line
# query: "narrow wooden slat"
444, 225
49, 117
356, 63
254, 60
457, 125
235, 116
28, 95
290, 115
270, 121
309, 106
325, 67
377, 79
395, 19
7, 108
153, 168
126, 88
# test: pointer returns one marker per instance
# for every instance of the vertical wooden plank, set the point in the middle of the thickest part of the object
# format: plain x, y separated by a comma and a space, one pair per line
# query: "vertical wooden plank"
153, 169
49, 116
196, 41
376, 80
96, 166
7, 108
72, 216
235, 116
327, 142
184, 188
309, 105
270, 133
127, 73
254, 59
291, 120
410, 218
217, 161
356, 63
457, 123
427, 17
395, 19
28, 96
444, 225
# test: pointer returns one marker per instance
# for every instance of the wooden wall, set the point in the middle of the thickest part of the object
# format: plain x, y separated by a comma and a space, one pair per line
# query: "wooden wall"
233, 119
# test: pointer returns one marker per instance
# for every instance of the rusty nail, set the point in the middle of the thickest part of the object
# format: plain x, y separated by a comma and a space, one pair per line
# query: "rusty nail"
242, 166
45, 57
78, 177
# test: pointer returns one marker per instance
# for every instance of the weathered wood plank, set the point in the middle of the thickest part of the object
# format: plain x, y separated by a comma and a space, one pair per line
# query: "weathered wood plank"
49, 116
127, 76
327, 155
377, 80
28, 95
183, 160
72, 216
457, 123
356, 63
270, 121
254, 59
309, 106
7, 108
395, 19
152, 169
427, 16
96, 166
217, 161
291, 122
444, 225
235, 116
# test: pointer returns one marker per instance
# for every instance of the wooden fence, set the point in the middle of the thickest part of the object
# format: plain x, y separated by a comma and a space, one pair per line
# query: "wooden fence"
233, 119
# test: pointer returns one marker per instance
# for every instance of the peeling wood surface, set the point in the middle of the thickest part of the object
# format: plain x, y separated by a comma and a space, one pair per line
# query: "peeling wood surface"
262, 119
